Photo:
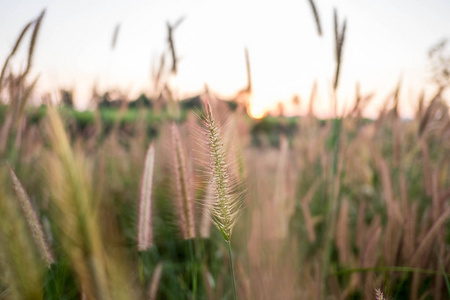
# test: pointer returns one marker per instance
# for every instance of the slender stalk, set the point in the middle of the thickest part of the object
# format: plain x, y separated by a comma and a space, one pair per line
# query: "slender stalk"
194, 269
232, 270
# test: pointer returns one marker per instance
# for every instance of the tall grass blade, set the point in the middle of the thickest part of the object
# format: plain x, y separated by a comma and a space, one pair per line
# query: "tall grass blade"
185, 198
74, 213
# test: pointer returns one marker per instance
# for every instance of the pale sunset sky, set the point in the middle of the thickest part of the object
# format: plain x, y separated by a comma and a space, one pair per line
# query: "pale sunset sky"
384, 40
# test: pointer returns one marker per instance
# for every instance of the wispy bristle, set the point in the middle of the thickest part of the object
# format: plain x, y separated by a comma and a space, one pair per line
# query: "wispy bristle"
185, 199
205, 226
32, 220
145, 232
226, 205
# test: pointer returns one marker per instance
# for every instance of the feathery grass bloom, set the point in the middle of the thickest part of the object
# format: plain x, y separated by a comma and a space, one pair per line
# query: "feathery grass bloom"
225, 208
145, 232
185, 198
32, 220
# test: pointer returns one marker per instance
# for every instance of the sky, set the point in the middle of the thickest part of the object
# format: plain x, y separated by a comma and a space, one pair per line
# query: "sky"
385, 41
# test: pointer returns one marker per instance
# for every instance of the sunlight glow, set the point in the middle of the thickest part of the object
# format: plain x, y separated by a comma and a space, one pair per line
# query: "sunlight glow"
256, 112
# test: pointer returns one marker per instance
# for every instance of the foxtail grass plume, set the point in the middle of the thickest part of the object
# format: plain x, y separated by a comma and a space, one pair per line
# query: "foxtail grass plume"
145, 231
22, 271
226, 206
316, 17
185, 198
379, 294
32, 220
339, 35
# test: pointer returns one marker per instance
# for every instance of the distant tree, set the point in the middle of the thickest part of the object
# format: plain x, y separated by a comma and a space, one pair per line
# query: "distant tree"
280, 106
192, 103
104, 101
141, 101
296, 100
439, 57
67, 97
113, 98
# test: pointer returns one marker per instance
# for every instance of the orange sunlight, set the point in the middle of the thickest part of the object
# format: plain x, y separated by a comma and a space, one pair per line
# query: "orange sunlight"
256, 112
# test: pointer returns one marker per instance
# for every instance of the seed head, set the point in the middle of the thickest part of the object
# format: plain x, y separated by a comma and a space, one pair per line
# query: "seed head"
185, 199
226, 205
145, 231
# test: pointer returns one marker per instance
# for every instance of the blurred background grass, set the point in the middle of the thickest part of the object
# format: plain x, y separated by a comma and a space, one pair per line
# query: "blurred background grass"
337, 208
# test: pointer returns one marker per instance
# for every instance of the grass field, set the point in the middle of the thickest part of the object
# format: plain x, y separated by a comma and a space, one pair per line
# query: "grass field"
207, 203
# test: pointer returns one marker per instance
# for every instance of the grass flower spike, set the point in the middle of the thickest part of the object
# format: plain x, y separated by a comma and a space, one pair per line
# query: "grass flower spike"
145, 232
185, 198
226, 205
225, 208
32, 220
